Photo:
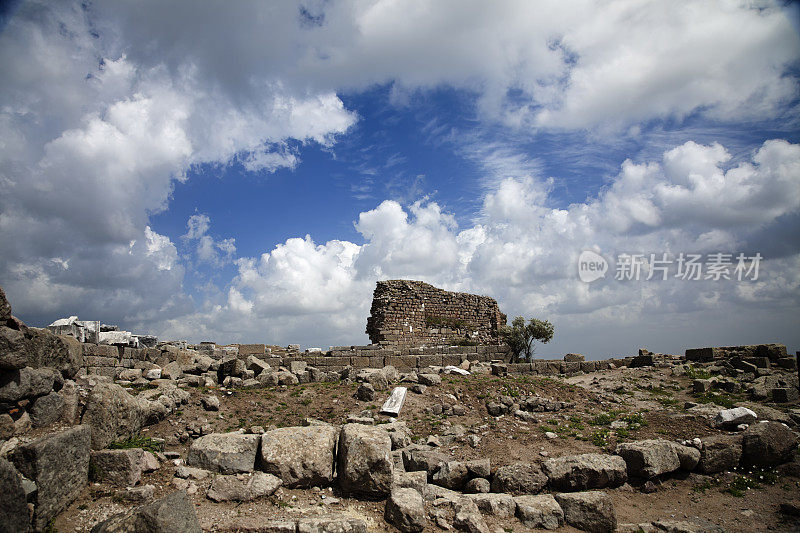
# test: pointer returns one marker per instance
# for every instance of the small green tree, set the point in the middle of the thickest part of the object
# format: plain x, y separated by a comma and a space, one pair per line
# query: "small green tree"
520, 336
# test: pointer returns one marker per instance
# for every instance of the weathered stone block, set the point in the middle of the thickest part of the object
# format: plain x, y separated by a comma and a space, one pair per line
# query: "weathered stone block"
720, 453
118, 467
589, 511
406, 510
46, 410
59, 465
365, 463
649, 458
26, 383
300, 456
519, 478
242, 487
767, 444
113, 414
173, 513
252, 349
542, 511
586, 471
227, 453
13, 504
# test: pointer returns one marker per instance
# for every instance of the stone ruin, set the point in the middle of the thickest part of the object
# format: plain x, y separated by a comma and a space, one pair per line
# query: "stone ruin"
88, 396
414, 313
92, 331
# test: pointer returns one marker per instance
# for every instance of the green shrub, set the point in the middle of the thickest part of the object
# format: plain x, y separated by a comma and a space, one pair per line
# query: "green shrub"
697, 373
723, 400
145, 443
603, 419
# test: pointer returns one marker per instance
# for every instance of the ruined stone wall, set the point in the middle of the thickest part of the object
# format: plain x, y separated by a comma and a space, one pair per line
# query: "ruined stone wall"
413, 313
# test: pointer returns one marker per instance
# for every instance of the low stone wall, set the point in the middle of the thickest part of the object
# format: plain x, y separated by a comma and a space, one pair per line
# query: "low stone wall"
111, 361
772, 352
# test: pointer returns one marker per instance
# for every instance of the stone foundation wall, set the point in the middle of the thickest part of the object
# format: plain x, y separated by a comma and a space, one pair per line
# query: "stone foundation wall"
771, 352
413, 313
111, 361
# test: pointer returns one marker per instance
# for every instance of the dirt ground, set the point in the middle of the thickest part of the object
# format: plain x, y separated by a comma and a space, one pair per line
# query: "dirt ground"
604, 408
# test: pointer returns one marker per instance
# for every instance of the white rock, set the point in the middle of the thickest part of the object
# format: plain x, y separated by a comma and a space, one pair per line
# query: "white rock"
733, 417
395, 402
450, 369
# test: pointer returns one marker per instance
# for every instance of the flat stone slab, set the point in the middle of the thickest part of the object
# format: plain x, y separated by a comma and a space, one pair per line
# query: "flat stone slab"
226, 453
395, 401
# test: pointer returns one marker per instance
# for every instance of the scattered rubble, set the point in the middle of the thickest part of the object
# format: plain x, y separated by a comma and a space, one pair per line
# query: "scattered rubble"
99, 437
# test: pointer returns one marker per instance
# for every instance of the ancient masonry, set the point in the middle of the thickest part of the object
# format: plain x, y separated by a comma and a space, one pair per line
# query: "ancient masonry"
413, 313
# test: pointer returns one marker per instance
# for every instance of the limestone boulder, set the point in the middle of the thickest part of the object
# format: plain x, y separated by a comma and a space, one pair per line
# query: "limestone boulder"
59, 465
122, 468
688, 456
210, 402
588, 511
268, 377
452, 475
243, 487
150, 462
256, 365
479, 467
365, 463
411, 480
586, 471
46, 410
226, 453
13, 348
720, 453
539, 512
69, 393
649, 458
499, 505
365, 392
423, 458
331, 524
399, 433
477, 485
730, 418
519, 478
174, 513
767, 444
285, 377
22, 346
26, 382
468, 518
171, 370
429, 379
374, 377
5, 307
113, 414
13, 504
405, 510
300, 456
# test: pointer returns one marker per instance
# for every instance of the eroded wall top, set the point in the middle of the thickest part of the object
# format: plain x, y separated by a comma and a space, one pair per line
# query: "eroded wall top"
414, 313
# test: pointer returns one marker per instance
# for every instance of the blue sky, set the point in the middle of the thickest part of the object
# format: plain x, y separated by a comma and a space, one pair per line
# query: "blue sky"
246, 173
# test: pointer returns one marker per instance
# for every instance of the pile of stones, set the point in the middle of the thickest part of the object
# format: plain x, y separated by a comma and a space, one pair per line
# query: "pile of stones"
524, 406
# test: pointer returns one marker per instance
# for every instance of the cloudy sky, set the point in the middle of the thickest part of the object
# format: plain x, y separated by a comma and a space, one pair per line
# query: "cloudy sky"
245, 171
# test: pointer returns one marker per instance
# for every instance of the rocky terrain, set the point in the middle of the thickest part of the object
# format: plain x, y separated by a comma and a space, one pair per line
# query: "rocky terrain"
193, 440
